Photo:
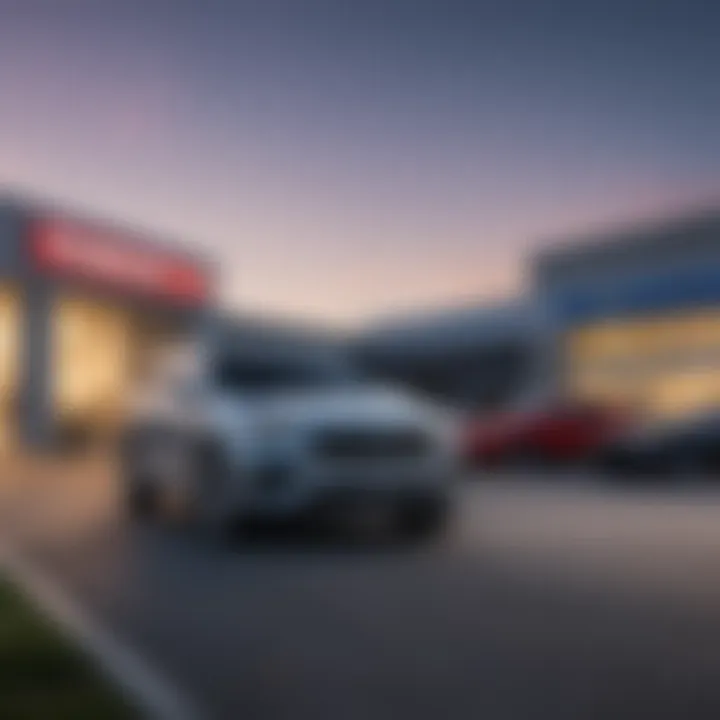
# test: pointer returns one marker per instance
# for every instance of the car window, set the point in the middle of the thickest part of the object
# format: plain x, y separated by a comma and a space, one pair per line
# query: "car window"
247, 375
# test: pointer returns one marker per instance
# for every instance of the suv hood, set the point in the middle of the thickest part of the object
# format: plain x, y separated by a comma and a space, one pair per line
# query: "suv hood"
348, 405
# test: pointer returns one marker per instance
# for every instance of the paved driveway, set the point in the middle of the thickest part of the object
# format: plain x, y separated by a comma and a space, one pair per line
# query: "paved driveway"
551, 599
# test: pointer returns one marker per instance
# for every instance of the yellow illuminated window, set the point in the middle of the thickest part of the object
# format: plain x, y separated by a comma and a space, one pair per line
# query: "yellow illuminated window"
91, 358
9, 344
670, 364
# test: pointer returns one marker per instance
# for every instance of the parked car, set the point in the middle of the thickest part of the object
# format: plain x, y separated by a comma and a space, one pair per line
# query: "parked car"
225, 439
685, 445
550, 433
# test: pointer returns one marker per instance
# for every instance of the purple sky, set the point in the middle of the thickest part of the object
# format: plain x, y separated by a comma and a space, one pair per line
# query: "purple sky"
349, 159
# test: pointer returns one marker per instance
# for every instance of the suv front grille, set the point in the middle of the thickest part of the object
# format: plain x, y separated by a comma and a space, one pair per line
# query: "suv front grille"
367, 444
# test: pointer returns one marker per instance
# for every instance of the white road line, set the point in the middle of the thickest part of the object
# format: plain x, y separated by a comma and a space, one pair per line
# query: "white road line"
152, 694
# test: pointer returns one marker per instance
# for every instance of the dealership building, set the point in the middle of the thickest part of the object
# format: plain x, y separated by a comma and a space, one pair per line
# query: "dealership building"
635, 315
628, 317
83, 303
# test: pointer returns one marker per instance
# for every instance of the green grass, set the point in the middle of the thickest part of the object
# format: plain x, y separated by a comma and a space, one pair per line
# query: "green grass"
42, 676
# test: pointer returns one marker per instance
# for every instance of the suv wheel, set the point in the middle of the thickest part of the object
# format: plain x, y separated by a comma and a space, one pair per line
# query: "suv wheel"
138, 492
140, 500
424, 522
208, 493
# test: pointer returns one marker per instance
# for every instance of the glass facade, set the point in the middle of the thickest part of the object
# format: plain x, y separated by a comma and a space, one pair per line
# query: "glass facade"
663, 366
92, 352
98, 352
10, 345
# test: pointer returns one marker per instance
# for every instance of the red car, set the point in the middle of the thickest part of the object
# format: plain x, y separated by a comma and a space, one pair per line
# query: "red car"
550, 434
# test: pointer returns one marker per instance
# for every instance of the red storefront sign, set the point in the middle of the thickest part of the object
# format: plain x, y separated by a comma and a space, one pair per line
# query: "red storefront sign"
73, 249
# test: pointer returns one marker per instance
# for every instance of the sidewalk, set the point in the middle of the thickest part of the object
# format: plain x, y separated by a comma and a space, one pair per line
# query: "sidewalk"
50, 503
44, 675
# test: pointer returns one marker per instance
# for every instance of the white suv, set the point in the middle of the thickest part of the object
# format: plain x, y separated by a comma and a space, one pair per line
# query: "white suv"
219, 438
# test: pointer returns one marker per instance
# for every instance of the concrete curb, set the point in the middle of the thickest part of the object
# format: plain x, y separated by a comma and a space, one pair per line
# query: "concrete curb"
148, 690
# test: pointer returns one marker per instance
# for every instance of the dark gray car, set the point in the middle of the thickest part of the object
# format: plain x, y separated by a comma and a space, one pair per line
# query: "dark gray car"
687, 445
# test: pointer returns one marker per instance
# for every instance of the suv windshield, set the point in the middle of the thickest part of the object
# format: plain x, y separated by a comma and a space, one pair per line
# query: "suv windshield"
261, 376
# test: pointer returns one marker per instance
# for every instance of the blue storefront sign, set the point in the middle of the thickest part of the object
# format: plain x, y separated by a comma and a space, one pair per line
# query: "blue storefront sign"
688, 288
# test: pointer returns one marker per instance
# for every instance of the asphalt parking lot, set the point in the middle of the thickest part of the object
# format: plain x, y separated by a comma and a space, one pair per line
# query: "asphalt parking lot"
552, 597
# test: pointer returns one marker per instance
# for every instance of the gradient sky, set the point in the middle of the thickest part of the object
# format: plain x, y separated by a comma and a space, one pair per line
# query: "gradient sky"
345, 159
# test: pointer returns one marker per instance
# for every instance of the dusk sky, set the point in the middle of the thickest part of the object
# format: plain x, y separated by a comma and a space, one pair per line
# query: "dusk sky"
345, 160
